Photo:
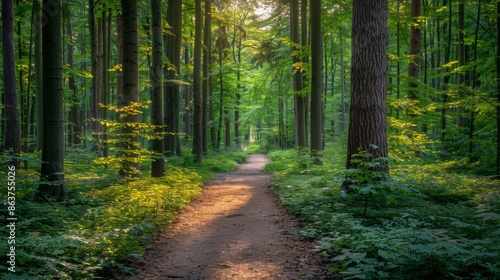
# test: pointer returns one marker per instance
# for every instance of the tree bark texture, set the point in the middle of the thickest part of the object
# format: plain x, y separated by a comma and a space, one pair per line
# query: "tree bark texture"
300, 100
52, 171
367, 125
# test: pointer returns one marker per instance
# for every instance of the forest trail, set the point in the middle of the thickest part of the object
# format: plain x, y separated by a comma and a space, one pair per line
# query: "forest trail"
235, 229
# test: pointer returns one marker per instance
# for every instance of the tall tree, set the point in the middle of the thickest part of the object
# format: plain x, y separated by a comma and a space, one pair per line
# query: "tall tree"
367, 127
207, 53
300, 100
414, 51
197, 129
316, 81
130, 87
158, 164
173, 52
74, 114
37, 17
12, 142
52, 171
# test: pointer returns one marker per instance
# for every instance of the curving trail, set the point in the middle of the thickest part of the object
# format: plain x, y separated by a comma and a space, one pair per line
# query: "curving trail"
234, 230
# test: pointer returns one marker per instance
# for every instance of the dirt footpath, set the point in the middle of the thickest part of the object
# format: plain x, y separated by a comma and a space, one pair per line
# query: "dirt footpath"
234, 230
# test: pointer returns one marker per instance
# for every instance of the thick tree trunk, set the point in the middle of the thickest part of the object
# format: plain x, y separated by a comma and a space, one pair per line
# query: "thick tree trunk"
197, 130
52, 170
74, 118
158, 164
316, 82
130, 89
300, 100
367, 127
12, 141
207, 52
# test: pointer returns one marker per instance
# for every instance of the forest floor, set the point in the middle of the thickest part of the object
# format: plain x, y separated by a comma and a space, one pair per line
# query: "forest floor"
235, 229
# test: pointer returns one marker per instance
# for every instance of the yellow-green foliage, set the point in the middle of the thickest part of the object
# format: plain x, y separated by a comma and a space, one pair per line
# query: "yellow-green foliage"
146, 200
102, 224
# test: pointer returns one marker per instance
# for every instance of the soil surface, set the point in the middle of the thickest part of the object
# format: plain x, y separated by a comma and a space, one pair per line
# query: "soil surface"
235, 229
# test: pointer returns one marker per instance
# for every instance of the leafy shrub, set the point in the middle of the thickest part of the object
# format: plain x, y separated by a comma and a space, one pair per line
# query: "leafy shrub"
450, 232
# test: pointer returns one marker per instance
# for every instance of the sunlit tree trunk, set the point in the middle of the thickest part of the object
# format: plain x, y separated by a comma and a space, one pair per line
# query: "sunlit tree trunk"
316, 82
12, 141
197, 130
52, 171
130, 88
367, 127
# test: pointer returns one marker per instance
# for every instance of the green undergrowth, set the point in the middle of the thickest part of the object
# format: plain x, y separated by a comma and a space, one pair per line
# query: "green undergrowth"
103, 225
422, 222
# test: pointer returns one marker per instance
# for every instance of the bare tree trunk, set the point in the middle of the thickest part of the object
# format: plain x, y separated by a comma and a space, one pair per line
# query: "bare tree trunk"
207, 52
158, 164
414, 54
197, 133
74, 118
38, 72
367, 127
316, 82
52, 171
187, 100
474, 82
300, 100
130, 90
12, 141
